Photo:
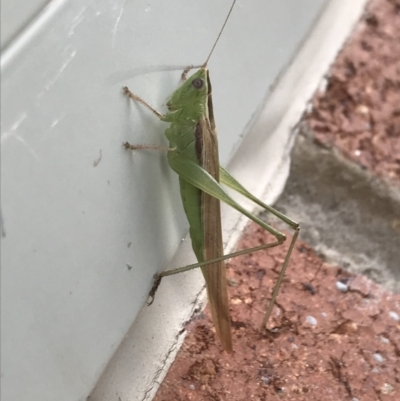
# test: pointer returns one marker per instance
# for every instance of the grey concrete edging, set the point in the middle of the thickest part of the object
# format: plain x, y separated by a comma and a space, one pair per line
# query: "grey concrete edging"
348, 215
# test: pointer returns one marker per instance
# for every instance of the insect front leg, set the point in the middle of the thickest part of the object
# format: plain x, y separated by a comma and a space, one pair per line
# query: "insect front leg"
136, 98
185, 72
131, 95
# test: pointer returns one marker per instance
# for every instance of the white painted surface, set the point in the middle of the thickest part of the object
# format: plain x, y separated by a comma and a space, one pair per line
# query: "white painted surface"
15, 15
78, 210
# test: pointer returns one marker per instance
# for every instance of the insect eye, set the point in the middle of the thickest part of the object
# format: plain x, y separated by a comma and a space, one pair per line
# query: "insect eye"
197, 83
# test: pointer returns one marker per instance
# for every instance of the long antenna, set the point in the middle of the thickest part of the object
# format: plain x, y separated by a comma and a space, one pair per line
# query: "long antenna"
219, 35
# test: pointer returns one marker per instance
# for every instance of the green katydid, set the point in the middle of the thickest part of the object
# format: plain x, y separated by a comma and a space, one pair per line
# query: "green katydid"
193, 155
